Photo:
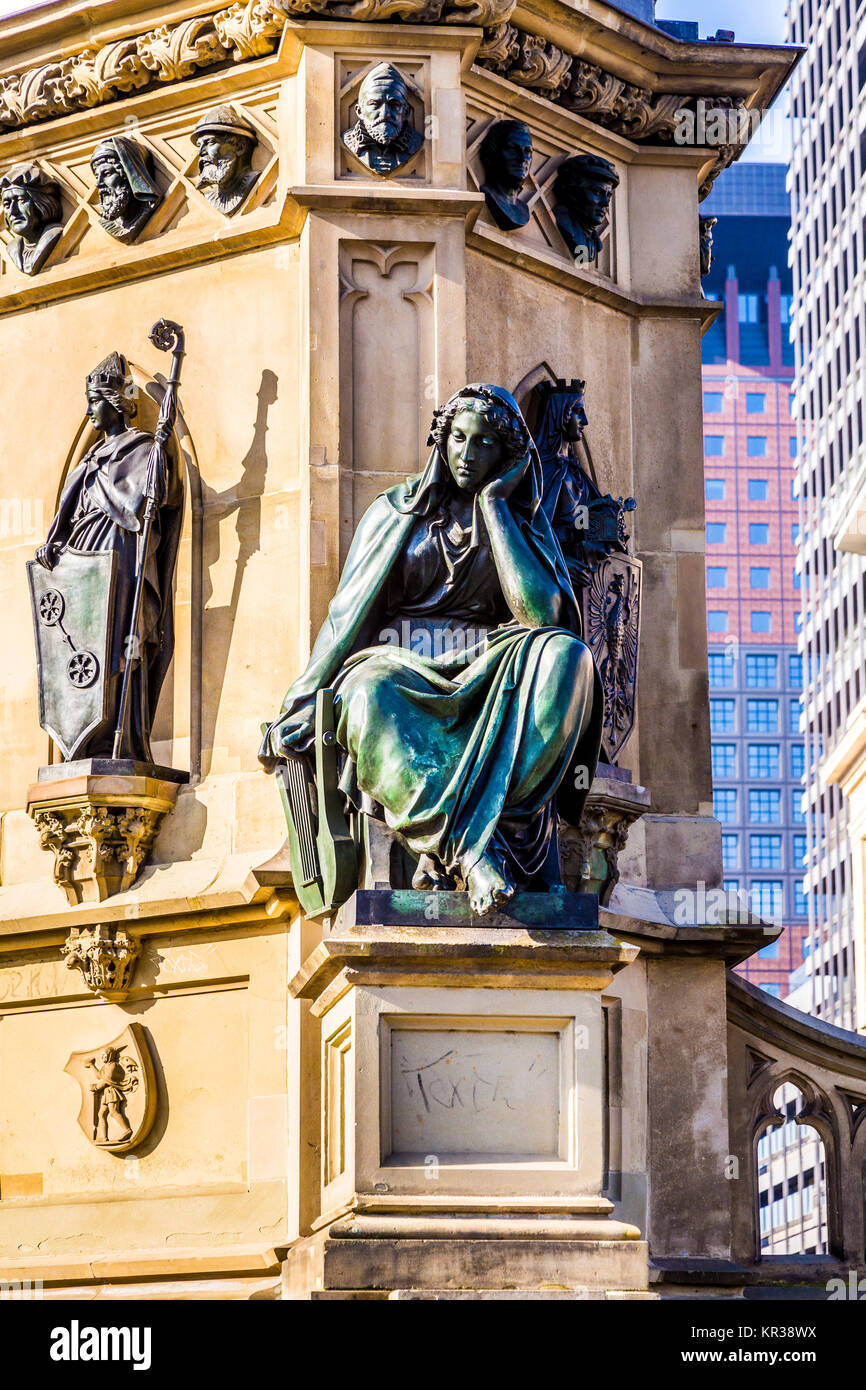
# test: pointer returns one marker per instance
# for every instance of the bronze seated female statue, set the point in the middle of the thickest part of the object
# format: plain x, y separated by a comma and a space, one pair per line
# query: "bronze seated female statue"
466, 751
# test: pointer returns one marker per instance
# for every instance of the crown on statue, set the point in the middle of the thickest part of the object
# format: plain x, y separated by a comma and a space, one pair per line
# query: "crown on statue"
111, 374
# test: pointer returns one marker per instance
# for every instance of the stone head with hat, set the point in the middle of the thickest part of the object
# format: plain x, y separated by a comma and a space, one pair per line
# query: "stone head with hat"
225, 143
384, 137
583, 189
32, 210
126, 185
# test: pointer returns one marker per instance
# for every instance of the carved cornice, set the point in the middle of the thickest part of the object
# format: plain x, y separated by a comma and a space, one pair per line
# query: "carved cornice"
251, 29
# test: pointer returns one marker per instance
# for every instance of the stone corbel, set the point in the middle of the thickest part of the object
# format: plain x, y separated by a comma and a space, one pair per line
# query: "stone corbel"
106, 957
100, 826
591, 852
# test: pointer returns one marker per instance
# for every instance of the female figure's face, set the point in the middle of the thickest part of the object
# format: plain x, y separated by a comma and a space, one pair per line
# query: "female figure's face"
474, 450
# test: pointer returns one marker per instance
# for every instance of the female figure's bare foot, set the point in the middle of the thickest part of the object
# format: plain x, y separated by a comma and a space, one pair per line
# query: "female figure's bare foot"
490, 885
430, 875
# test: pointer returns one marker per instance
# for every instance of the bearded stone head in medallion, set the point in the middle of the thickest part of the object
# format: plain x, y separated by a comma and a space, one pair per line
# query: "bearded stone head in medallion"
384, 137
127, 189
225, 149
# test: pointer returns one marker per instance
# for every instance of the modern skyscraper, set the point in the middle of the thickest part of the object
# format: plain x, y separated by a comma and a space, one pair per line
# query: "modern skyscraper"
753, 595
827, 256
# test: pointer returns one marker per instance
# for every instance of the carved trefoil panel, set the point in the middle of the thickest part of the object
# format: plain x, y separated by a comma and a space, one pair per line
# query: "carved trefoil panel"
387, 353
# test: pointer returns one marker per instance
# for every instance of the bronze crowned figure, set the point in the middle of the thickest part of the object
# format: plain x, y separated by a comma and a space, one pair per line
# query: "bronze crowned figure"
92, 552
468, 737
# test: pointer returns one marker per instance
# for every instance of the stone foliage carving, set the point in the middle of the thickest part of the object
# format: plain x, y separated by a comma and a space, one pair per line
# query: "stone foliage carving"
106, 957
98, 850
252, 28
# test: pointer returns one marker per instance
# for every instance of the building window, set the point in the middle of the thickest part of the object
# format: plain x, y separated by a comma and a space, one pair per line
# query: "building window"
725, 804
724, 759
714, 489
763, 760
798, 760
795, 534
717, 577
731, 885
801, 907
756, 446
795, 578
767, 898
730, 851
716, 532
792, 446
761, 621
770, 951
759, 577
765, 851
759, 489
798, 814
762, 716
756, 403
713, 402
799, 858
770, 987
721, 668
794, 711
747, 308
795, 672
786, 308
717, 620
722, 716
798, 622
714, 446
762, 671
795, 489
759, 533
765, 805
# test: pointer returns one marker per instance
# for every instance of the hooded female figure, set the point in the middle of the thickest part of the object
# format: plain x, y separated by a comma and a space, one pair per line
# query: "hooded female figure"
465, 750
100, 511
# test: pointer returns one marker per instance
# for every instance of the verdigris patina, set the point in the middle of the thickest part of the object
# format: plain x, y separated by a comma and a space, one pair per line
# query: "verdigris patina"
468, 735
93, 570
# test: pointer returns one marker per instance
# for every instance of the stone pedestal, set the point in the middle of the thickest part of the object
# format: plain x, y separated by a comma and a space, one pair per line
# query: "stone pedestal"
462, 1141
100, 818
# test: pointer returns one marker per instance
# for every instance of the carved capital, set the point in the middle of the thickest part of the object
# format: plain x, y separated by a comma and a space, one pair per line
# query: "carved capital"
100, 836
106, 957
590, 853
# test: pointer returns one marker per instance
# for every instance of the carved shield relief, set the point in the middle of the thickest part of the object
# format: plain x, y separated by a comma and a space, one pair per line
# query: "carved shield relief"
73, 607
118, 1090
611, 627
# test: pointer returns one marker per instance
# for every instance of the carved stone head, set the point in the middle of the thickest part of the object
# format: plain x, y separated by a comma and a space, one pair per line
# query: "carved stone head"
583, 189
32, 209
225, 149
384, 137
506, 154
127, 189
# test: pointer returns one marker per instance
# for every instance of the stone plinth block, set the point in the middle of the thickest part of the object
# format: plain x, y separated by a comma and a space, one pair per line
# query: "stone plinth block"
100, 818
462, 1101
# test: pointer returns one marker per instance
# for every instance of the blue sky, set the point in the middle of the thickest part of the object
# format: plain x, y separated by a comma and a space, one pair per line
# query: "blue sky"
753, 21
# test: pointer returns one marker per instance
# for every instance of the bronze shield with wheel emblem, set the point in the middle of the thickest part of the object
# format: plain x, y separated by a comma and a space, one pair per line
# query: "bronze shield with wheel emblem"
72, 617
